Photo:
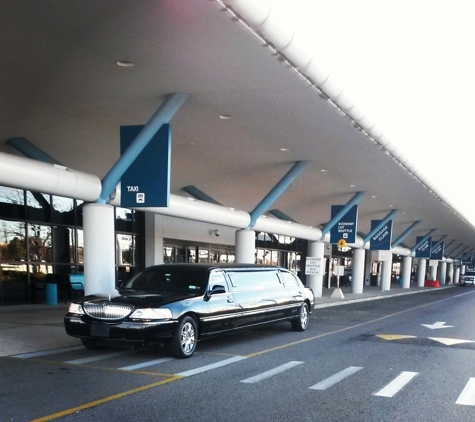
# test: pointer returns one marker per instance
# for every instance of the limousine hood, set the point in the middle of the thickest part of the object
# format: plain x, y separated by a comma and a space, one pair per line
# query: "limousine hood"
140, 299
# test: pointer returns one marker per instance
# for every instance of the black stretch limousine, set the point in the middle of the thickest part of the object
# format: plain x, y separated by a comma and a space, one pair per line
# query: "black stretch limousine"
177, 304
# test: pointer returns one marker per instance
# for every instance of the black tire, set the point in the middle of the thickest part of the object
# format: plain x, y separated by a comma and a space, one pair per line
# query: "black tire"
301, 323
183, 343
91, 344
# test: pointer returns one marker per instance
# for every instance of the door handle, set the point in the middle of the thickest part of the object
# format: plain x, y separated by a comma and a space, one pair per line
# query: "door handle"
230, 300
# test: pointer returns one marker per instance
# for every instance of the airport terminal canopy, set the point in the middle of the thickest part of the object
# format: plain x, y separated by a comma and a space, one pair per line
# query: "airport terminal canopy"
260, 100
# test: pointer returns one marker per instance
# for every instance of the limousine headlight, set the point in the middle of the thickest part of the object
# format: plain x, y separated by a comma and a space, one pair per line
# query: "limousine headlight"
76, 308
152, 313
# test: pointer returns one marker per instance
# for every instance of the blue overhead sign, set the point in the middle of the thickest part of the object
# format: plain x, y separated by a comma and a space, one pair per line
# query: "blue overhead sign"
423, 251
381, 241
345, 228
467, 259
146, 183
437, 252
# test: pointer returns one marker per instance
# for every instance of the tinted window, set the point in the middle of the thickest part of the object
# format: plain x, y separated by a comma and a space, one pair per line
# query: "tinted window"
255, 280
289, 279
169, 280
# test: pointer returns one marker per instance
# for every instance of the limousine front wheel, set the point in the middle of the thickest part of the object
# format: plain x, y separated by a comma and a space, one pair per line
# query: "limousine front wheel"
300, 323
183, 343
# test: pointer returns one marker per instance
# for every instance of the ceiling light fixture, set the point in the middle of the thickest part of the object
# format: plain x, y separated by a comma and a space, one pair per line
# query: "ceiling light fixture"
323, 170
125, 63
285, 149
225, 117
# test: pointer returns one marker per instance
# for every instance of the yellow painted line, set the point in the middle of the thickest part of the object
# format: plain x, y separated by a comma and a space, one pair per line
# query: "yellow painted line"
391, 337
450, 341
105, 400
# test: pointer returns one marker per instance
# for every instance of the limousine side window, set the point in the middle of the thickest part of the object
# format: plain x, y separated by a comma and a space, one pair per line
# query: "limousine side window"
254, 280
217, 278
289, 279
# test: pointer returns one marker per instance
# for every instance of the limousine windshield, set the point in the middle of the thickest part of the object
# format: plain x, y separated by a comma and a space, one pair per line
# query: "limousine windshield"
166, 279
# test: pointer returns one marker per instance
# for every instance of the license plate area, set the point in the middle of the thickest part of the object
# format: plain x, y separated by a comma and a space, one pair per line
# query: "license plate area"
100, 330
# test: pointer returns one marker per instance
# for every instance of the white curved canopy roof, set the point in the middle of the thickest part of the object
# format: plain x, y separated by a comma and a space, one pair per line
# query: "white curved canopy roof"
63, 91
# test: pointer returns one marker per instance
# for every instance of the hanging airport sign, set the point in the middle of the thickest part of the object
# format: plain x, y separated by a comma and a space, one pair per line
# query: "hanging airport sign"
345, 228
423, 251
146, 183
383, 237
467, 259
437, 252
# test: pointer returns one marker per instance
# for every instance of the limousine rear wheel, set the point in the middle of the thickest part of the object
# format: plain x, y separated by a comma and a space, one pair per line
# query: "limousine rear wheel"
183, 343
300, 323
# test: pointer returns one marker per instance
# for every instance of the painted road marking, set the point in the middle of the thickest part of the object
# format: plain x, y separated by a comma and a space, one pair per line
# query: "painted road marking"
391, 337
330, 381
97, 357
211, 366
271, 372
46, 352
145, 364
437, 325
450, 341
467, 397
396, 384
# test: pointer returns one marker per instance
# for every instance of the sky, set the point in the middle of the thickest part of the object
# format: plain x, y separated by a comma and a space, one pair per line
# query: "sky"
411, 63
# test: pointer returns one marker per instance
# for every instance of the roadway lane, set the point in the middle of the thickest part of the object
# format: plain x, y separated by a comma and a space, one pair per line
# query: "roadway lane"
371, 361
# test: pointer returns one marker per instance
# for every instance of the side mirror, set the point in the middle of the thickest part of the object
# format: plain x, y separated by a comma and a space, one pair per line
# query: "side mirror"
217, 288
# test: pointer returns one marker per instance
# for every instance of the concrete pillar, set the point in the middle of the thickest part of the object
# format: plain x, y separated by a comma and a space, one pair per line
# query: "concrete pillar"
450, 272
406, 272
433, 270
442, 272
245, 246
386, 270
456, 275
357, 275
421, 272
368, 267
153, 239
99, 248
316, 250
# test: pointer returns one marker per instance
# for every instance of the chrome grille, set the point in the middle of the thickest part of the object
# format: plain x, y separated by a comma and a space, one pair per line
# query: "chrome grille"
107, 310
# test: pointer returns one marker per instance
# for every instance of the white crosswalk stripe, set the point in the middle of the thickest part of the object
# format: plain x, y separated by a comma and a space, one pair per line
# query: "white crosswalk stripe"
396, 384
467, 397
211, 366
271, 372
145, 364
334, 379
98, 357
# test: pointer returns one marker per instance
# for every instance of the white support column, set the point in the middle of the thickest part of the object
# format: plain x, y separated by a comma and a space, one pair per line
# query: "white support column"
421, 272
245, 246
406, 272
386, 274
442, 272
153, 239
456, 275
357, 275
450, 272
316, 250
99, 248
433, 270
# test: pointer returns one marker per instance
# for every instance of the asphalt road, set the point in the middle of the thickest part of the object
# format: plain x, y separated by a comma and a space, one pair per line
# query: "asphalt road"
408, 358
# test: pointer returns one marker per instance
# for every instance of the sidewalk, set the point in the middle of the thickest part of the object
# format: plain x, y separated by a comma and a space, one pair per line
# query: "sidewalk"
34, 328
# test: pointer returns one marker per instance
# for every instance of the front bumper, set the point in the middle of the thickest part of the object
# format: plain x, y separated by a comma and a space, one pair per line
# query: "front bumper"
143, 332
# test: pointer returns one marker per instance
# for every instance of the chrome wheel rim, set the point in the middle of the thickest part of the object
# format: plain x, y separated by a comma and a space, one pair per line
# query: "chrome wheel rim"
303, 316
187, 338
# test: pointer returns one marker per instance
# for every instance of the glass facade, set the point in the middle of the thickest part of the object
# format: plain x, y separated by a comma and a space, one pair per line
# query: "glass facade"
41, 241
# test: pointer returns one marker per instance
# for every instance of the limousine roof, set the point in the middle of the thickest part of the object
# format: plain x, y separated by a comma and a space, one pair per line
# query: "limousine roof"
224, 266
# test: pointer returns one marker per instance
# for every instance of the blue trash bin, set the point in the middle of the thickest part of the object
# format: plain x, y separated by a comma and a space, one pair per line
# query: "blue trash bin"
51, 294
